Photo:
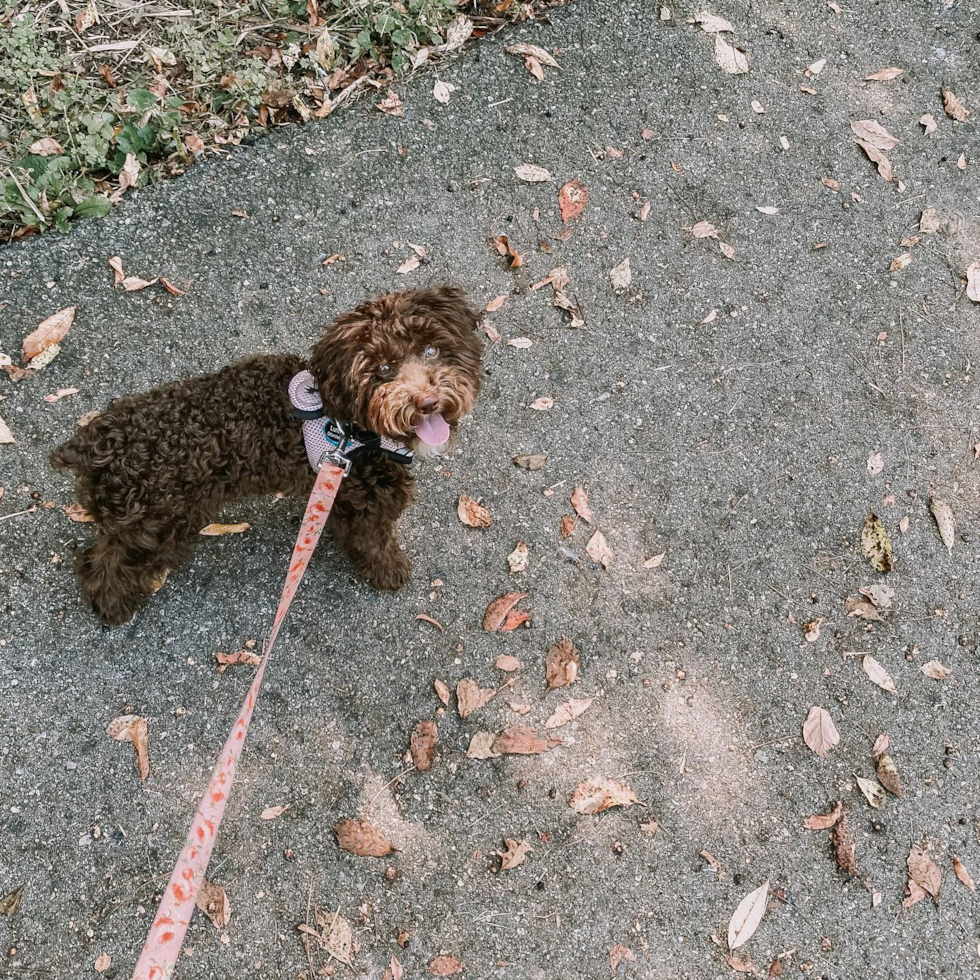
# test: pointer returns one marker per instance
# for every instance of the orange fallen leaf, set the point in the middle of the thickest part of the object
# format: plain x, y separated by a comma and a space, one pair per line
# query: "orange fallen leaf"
521, 740
597, 795
959, 869
212, 900
425, 737
53, 330
515, 618
171, 288
562, 664
442, 690
498, 610
580, 501
471, 513
428, 619
362, 838
470, 696
503, 246
236, 658
572, 199
567, 526
824, 821
515, 853
132, 728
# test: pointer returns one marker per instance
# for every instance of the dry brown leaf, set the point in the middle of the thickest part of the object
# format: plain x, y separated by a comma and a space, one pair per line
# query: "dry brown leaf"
236, 658
732, 60
872, 791
929, 221
857, 605
392, 105
336, 936
442, 690
517, 560
580, 501
820, 732
876, 544
598, 550
824, 821
45, 147
481, 746
514, 258
876, 463
747, 916
394, 970
272, 812
884, 74
901, 262
741, 965
811, 630
572, 199
936, 670
216, 530
568, 711
656, 561
562, 664
470, 696
704, 229
945, 521
498, 610
515, 618
727, 250
878, 674
888, 776
75, 512
621, 275
531, 461
60, 393
496, 303
768, 209
874, 133
567, 526
973, 282
445, 966
409, 265
843, 844
959, 869
133, 284
11, 902
521, 740
507, 663
6, 436
132, 728
928, 122
532, 51
515, 853
425, 737
712, 24
881, 745
876, 156
953, 107
471, 513
102, 963
619, 954
532, 174
50, 331
213, 902
362, 838
714, 862
925, 872
426, 618
542, 404
597, 795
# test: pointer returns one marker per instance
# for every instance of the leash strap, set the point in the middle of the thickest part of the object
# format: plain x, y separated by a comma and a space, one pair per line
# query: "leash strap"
159, 957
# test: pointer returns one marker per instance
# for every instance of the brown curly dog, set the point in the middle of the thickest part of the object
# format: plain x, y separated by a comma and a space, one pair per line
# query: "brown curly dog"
154, 469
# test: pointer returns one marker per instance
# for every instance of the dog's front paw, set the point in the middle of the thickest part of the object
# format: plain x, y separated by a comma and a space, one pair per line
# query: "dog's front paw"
390, 571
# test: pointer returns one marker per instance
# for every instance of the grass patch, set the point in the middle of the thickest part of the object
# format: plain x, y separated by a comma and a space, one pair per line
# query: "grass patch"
98, 96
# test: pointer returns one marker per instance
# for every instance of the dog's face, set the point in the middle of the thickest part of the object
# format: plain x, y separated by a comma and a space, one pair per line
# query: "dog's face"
405, 365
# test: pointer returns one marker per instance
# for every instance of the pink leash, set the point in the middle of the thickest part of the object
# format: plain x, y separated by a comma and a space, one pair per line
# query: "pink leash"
159, 957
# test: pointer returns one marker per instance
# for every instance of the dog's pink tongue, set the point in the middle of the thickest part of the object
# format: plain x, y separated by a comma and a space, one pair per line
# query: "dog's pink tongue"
433, 430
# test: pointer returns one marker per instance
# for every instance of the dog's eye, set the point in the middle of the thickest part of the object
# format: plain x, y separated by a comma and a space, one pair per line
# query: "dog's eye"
431, 352
384, 370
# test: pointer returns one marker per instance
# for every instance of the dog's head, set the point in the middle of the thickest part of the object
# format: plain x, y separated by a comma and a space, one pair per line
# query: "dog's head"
405, 365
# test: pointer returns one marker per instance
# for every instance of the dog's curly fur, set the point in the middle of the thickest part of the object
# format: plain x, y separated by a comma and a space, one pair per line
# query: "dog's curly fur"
153, 469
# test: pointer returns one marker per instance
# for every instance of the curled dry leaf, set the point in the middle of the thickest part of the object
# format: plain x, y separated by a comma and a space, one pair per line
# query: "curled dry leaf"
881, 745
819, 731
362, 838
445, 966
226, 660
133, 284
928, 122
394, 970
59, 394
580, 501
481, 746
945, 521
876, 544
567, 526
741, 965
597, 795
409, 265
273, 812
171, 288
953, 107
515, 618
925, 872
704, 229
727, 250
53, 330
442, 690
514, 258
900, 262
824, 821
973, 282
515, 853
621, 275
76, 512
959, 869
936, 670
531, 461
878, 674
521, 740
216, 530
568, 711
425, 738
811, 630
336, 936
747, 916
656, 561
46, 147
856, 605
572, 199
441, 92
6, 436
532, 51
562, 664
872, 791
132, 728
213, 902
843, 844
472, 513
497, 612
888, 776
768, 209
11, 902
884, 74
929, 221
532, 174
496, 303
714, 862
426, 618
874, 133
599, 551
470, 696
732, 60
115, 263
517, 560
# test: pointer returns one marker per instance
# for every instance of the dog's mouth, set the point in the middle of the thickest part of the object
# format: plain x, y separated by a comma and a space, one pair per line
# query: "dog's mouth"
432, 429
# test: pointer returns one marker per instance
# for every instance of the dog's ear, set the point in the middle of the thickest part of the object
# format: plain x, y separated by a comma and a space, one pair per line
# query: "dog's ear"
334, 363
449, 306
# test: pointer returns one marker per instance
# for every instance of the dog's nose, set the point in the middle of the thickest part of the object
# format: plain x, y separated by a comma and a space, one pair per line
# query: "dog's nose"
426, 404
